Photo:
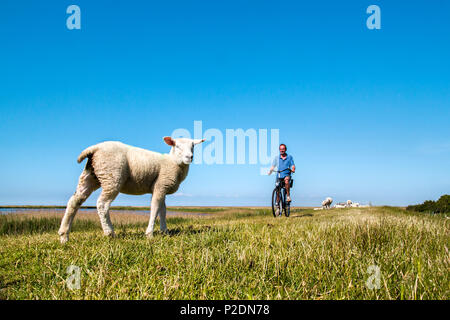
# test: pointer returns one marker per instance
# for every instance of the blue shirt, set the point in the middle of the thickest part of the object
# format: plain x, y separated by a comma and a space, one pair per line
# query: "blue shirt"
281, 164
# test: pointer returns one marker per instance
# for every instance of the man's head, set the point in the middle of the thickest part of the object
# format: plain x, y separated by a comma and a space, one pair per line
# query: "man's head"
182, 148
283, 149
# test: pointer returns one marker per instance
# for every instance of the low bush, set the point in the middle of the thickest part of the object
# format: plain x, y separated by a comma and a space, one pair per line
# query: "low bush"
440, 206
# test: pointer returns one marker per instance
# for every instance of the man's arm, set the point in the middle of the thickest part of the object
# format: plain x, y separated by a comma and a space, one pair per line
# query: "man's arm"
274, 164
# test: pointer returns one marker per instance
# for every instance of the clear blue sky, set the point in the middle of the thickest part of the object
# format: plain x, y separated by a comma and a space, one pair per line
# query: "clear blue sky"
365, 113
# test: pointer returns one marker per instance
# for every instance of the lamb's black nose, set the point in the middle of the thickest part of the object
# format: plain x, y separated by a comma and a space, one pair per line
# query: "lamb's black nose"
192, 158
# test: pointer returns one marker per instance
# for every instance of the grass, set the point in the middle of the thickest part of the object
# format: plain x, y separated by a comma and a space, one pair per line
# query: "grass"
230, 254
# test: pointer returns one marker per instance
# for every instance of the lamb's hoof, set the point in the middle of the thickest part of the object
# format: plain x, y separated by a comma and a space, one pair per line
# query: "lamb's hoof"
110, 234
63, 238
149, 235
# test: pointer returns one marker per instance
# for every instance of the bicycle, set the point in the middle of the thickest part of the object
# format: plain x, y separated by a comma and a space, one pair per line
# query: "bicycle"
280, 190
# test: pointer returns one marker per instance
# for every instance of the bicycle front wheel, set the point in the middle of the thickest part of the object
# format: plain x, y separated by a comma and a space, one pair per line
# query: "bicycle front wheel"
274, 202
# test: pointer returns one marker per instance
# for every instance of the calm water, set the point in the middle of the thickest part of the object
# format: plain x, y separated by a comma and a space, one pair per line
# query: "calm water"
56, 210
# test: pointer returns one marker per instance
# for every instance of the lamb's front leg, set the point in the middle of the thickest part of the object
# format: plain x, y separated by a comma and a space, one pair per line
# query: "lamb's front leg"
157, 203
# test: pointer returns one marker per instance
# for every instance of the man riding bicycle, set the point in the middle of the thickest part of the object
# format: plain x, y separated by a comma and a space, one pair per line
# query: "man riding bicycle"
283, 162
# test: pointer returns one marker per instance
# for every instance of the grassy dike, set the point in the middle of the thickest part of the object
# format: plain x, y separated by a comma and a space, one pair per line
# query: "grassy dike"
231, 254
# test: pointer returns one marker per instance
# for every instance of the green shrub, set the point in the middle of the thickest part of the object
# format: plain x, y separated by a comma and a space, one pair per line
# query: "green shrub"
440, 206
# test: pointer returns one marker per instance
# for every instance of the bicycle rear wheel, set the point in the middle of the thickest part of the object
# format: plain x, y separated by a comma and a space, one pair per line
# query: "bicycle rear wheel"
287, 209
285, 203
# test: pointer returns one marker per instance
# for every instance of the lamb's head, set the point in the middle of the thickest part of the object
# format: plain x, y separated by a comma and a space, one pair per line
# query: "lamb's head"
182, 148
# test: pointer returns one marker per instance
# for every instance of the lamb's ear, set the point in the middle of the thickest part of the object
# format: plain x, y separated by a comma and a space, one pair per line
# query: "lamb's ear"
169, 141
197, 141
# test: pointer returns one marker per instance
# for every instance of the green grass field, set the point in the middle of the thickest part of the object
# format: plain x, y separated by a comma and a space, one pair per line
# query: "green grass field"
231, 254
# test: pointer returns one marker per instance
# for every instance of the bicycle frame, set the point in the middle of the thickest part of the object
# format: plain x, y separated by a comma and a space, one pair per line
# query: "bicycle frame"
281, 194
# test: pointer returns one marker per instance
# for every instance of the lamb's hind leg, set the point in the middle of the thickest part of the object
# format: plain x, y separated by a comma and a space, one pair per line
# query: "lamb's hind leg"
162, 217
87, 184
103, 204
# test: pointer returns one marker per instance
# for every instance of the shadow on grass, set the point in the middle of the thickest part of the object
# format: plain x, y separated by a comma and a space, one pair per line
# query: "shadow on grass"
125, 233
303, 215
189, 230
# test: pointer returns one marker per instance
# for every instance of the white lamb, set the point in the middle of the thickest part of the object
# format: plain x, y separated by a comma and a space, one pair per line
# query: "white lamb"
349, 203
117, 167
327, 203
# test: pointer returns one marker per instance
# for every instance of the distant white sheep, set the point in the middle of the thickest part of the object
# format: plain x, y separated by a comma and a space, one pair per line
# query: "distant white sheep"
327, 203
349, 204
120, 168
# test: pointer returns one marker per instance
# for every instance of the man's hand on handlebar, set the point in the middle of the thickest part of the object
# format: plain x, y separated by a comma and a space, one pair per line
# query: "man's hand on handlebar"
287, 169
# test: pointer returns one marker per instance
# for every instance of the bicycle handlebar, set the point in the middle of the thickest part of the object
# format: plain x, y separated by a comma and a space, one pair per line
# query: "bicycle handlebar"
283, 170
279, 171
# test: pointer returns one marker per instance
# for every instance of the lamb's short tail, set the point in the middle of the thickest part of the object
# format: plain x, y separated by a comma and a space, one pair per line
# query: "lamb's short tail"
87, 152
